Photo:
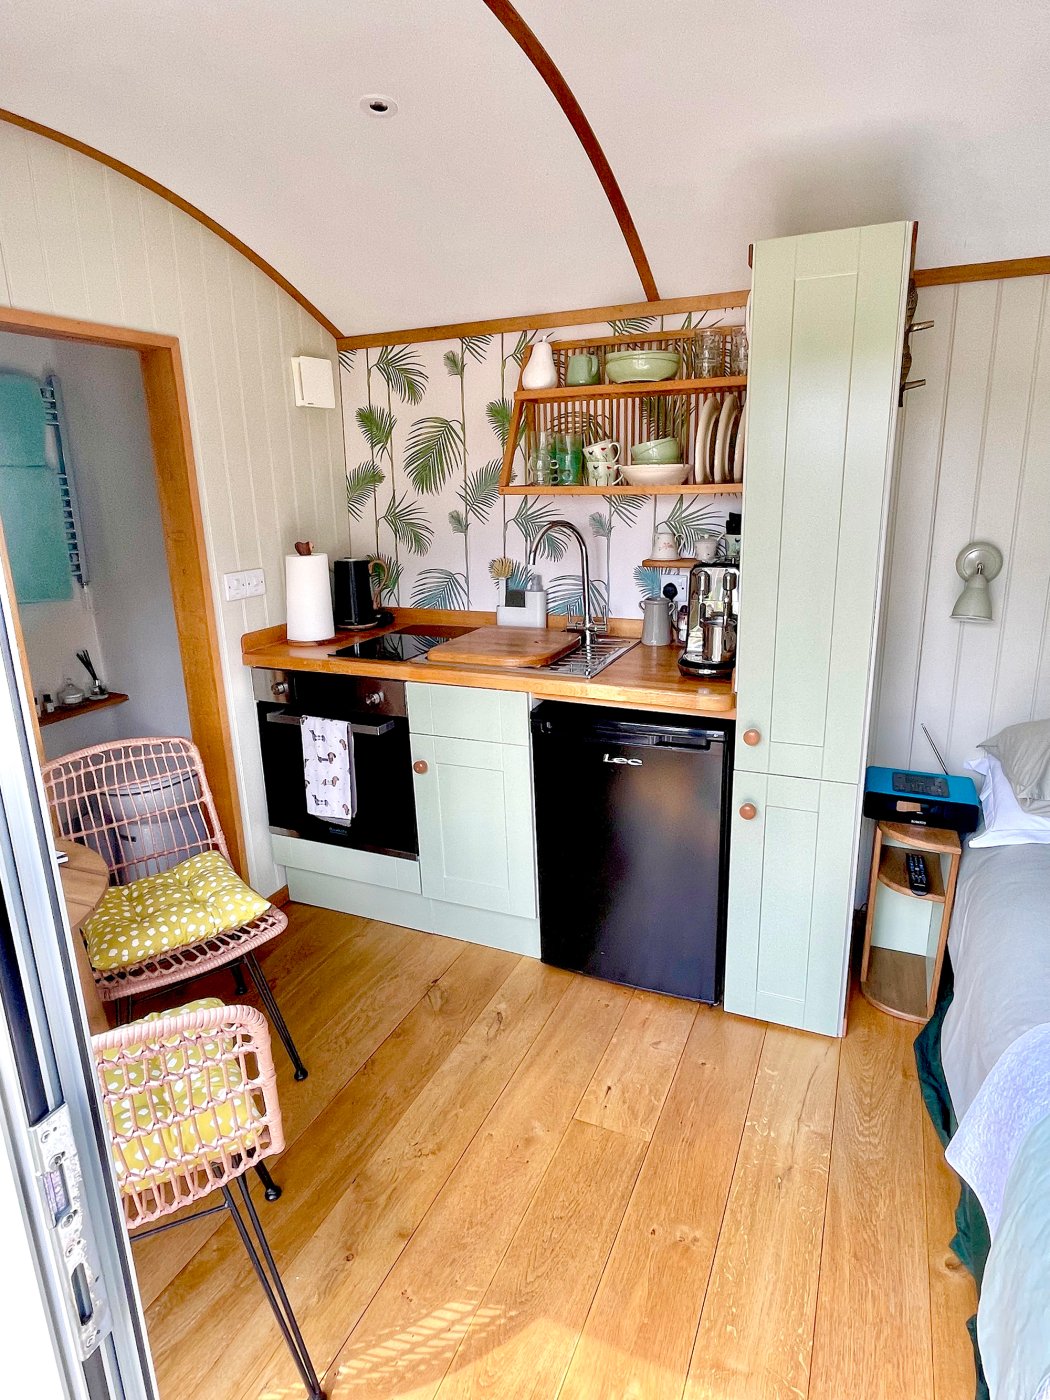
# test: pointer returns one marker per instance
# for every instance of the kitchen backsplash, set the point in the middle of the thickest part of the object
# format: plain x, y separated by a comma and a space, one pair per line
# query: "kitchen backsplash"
425, 428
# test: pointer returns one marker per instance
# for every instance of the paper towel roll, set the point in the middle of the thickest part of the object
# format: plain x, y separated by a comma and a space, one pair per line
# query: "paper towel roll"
308, 595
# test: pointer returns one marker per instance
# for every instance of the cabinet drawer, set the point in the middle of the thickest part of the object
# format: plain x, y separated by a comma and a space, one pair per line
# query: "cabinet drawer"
464, 712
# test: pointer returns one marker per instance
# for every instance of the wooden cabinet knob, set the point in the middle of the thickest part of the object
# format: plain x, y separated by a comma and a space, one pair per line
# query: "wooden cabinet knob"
752, 737
421, 765
749, 811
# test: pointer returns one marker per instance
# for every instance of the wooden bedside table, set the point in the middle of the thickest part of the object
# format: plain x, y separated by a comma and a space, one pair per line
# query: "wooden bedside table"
903, 940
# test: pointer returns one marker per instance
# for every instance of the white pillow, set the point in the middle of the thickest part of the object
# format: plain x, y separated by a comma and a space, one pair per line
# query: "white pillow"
1006, 823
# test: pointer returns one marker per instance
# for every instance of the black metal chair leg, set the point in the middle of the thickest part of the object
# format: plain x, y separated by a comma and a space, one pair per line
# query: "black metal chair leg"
240, 986
273, 1287
269, 1001
271, 1190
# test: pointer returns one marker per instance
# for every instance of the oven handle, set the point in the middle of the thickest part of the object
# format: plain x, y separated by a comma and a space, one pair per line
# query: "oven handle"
372, 731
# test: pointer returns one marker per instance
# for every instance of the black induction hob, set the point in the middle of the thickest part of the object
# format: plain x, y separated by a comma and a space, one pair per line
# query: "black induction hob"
404, 644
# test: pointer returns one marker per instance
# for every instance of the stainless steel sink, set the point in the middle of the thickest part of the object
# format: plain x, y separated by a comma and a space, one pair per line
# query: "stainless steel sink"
591, 656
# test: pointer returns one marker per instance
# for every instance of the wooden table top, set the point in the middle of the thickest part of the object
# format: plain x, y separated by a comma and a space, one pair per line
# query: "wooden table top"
646, 678
85, 878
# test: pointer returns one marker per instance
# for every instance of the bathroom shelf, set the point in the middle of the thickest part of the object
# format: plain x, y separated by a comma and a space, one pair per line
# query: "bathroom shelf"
84, 708
627, 413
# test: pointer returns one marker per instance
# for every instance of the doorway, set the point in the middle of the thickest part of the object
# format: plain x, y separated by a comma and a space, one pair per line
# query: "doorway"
201, 689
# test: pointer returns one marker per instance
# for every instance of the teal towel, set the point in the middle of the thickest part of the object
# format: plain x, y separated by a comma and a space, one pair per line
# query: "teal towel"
34, 525
21, 422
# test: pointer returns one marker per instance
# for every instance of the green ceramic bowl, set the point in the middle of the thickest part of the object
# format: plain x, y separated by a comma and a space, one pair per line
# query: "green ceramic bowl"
665, 449
641, 366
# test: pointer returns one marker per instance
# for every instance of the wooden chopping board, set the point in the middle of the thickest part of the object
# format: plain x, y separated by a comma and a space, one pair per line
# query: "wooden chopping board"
504, 647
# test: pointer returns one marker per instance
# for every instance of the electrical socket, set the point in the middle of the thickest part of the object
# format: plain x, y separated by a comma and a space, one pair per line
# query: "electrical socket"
250, 583
234, 586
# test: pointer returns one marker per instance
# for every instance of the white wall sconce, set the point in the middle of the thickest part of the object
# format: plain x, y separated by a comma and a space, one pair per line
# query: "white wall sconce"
978, 563
313, 382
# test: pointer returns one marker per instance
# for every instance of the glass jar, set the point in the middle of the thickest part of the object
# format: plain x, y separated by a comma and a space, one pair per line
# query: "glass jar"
738, 351
711, 349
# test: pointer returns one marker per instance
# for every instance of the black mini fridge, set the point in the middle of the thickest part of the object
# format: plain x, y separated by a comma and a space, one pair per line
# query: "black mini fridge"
632, 831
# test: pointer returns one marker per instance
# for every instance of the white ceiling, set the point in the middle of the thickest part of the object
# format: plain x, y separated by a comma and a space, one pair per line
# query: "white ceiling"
722, 126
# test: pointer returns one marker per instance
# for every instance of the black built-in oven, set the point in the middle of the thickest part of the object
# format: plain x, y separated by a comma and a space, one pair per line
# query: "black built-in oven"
378, 717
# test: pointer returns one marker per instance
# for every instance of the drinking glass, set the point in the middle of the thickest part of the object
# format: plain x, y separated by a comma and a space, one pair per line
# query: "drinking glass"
569, 453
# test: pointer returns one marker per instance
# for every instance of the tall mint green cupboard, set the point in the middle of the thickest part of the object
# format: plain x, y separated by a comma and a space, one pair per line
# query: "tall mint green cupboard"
828, 314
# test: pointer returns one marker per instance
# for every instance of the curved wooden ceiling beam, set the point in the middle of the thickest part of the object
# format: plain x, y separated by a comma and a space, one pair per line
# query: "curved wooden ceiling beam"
187, 208
548, 70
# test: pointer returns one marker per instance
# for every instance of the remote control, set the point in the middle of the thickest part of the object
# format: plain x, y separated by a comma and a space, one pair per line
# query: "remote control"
918, 878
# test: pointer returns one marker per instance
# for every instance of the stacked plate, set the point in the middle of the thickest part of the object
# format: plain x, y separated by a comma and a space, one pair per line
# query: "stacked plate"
721, 431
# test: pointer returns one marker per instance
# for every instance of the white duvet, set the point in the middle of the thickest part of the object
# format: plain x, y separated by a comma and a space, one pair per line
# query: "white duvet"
1000, 949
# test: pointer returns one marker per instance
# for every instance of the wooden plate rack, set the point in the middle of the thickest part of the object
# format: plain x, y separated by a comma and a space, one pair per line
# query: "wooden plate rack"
627, 413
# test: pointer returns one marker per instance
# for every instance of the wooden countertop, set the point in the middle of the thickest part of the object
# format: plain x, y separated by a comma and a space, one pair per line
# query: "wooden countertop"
646, 678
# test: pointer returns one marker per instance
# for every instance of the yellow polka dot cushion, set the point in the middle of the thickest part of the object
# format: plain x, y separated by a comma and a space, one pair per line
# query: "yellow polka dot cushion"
175, 1101
193, 901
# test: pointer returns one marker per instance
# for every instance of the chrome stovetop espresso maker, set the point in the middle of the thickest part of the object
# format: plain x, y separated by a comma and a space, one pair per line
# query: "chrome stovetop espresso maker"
710, 648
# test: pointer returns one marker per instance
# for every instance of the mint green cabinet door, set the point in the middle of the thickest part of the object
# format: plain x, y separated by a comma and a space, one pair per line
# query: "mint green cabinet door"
474, 812
791, 901
828, 315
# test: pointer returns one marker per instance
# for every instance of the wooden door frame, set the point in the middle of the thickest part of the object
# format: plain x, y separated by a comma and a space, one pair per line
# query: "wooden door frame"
180, 511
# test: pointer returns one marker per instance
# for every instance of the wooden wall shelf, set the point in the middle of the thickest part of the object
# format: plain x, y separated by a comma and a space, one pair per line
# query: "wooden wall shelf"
653, 389
729, 488
115, 697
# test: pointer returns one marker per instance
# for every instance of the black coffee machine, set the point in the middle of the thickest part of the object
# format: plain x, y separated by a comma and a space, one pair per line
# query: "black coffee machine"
710, 648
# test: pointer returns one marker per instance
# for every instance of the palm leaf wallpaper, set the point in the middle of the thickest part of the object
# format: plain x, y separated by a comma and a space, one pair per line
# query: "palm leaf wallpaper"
428, 425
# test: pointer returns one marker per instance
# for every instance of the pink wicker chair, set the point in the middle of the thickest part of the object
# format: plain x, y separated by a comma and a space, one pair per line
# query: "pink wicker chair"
190, 1100
145, 805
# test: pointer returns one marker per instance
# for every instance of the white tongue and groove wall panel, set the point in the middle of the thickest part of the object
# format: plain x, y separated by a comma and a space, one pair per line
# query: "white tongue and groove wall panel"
722, 126
78, 240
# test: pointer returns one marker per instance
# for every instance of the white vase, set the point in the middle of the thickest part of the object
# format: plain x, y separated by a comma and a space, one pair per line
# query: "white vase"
540, 373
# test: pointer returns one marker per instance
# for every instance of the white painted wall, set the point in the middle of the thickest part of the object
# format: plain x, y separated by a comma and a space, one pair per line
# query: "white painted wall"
78, 240
974, 464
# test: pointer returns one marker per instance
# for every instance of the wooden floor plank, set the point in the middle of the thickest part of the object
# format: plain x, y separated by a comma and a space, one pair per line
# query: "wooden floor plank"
426, 1303
756, 1326
339, 1268
638, 1337
290, 961
389, 970
631, 1083
450, 1202
522, 1336
953, 1296
873, 1334
195, 1315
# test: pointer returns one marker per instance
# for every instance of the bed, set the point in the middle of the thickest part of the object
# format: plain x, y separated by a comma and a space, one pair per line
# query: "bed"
984, 1063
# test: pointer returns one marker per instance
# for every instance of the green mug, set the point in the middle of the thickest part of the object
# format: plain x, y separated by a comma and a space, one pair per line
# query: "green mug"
581, 369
